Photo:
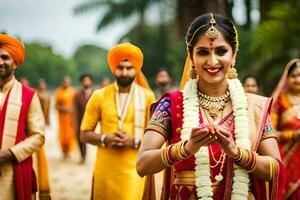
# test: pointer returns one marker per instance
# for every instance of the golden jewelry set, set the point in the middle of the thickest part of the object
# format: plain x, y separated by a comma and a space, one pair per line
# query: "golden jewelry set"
213, 104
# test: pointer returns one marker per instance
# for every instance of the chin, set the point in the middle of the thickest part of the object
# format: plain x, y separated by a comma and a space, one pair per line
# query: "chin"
214, 80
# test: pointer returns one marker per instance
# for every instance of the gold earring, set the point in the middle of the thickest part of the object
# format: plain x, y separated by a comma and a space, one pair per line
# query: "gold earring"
232, 73
193, 73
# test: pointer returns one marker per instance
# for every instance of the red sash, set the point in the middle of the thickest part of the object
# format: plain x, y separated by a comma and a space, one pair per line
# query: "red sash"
24, 176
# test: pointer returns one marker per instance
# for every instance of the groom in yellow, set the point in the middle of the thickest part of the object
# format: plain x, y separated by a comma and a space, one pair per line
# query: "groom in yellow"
122, 109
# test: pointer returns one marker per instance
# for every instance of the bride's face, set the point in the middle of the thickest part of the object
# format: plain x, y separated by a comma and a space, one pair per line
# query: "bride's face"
212, 58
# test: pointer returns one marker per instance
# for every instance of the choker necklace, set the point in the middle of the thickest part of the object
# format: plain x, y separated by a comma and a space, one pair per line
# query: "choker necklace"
213, 104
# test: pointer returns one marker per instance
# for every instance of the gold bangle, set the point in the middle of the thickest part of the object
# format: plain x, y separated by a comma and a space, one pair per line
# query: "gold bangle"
254, 165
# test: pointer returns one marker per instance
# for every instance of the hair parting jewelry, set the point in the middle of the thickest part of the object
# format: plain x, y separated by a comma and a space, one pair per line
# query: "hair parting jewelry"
212, 32
188, 43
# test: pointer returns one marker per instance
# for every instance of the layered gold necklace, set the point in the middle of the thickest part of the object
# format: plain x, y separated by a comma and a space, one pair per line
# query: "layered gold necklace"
213, 104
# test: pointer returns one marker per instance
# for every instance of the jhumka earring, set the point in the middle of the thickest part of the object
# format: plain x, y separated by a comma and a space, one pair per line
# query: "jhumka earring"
193, 73
212, 32
232, 73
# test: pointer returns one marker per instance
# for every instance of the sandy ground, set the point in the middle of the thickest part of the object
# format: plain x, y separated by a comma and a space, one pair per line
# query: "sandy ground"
69, 180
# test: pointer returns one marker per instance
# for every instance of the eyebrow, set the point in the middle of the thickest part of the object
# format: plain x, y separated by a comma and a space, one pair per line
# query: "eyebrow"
219, 47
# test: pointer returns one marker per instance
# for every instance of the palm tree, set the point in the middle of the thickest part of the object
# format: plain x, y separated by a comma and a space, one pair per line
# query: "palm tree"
116, 10
276, 41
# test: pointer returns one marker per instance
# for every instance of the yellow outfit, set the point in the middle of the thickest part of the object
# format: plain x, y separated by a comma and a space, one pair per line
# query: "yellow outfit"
115, 175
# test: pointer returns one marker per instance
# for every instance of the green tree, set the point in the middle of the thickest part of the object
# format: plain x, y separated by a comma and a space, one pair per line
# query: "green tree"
42, 62
276, 41
116, 10
91, 59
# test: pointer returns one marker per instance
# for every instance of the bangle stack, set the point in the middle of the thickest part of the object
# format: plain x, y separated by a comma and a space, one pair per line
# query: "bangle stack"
174, 153
246, 159
102, 140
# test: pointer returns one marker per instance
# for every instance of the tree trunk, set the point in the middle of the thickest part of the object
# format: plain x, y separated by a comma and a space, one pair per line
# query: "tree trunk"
188, 10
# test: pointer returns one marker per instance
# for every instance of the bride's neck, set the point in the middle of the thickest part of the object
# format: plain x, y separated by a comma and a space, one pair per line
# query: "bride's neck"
213, 89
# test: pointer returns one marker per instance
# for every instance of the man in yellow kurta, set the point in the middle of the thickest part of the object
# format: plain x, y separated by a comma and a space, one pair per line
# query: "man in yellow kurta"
122, 109
21, 125
65, 109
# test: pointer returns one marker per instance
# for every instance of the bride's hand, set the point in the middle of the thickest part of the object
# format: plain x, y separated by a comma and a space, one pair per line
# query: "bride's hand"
200, 136
226, 141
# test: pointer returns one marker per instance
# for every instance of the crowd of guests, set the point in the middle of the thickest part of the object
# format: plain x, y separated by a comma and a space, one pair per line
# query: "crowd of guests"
214, 137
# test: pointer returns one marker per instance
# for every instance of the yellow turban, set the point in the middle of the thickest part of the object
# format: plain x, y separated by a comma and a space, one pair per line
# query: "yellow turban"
14, 47
130, 52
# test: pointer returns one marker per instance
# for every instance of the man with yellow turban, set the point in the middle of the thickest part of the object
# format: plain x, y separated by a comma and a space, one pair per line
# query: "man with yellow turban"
21, 125
122, 109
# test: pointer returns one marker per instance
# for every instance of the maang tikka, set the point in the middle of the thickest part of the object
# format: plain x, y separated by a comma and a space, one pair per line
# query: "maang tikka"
212, 32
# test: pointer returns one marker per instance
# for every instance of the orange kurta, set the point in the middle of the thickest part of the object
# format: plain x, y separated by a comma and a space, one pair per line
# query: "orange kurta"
64, 100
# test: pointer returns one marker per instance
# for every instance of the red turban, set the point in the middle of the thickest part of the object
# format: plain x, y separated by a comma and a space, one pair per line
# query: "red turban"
14, 47
125, 51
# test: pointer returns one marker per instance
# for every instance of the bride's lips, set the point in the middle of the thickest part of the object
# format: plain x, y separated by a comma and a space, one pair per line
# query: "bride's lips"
213, 70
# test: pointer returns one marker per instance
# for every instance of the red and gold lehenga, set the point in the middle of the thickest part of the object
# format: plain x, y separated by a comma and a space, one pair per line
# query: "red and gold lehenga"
286, 119
179, 180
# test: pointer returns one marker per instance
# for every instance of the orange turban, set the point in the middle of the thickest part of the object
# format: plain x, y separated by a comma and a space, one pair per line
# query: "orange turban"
130, 52
125, 51
14, 47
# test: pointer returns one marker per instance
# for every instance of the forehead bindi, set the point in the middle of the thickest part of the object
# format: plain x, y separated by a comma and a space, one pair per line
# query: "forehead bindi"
211, 43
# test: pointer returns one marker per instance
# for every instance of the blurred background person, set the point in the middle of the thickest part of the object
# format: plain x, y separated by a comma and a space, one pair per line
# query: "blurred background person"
104, 82
44, 96
80, 99
251, 84
65, 108
24, 80
163, 81
286, 120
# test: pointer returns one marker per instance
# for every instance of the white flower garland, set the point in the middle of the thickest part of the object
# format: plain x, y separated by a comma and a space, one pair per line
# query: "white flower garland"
241, 179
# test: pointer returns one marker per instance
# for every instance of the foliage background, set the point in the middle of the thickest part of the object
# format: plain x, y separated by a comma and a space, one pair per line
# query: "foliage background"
266, 44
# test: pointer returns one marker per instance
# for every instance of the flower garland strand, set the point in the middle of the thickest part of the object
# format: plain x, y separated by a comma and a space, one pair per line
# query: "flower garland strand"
241, 179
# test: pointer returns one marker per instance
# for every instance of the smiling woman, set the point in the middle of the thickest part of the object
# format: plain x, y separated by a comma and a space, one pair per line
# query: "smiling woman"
215, 149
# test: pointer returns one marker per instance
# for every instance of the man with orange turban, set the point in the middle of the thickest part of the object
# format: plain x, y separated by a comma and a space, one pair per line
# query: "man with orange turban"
122, 109
21, 125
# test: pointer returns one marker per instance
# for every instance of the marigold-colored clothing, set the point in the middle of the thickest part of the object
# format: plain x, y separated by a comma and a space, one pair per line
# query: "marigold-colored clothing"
179, 180
286, 119
17, 179
64, 104
115, 175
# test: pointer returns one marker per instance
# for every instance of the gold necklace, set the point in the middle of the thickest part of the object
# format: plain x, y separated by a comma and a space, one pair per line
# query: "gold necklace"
213, 104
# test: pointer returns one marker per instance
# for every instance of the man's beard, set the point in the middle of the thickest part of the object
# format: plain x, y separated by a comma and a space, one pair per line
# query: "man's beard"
5, 72
124, 81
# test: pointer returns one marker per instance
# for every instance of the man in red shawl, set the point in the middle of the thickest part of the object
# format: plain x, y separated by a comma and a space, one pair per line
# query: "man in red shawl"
21, 125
